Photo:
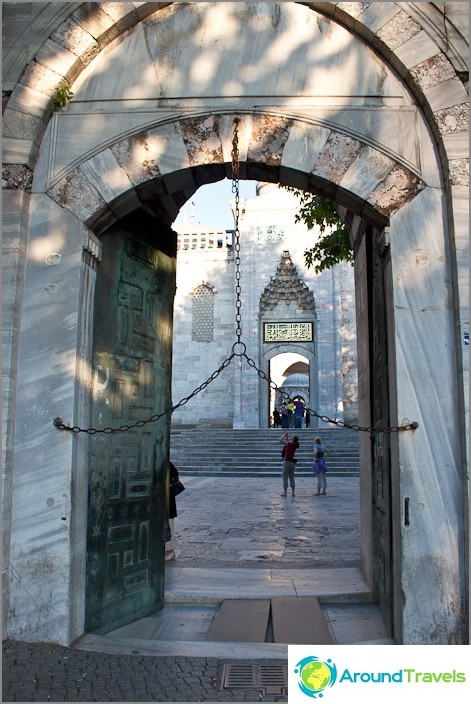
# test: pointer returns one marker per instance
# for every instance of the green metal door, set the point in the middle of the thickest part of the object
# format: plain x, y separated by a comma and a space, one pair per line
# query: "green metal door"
379, 262
132, 382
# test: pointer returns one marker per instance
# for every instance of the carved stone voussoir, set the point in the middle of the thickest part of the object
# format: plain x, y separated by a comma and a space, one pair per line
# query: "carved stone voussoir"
459, 172
339, 152
454, 119
16, 177
76, 194
74, 38
398, 188
138, 157
269, 136
398, 30
432, 72
202, 140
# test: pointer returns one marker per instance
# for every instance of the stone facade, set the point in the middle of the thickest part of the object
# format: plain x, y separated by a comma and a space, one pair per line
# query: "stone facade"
276, 286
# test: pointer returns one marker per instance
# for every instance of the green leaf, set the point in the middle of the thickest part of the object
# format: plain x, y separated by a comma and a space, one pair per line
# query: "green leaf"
331, 248
61, 97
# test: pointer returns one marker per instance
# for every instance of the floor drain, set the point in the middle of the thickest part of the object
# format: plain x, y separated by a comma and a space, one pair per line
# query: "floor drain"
270, 677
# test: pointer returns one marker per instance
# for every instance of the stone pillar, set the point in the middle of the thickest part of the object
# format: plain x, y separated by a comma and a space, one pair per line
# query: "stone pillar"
432, 558
43, 546
15, 214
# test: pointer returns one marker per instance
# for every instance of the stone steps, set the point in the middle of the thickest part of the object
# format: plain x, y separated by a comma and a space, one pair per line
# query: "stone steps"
227, 452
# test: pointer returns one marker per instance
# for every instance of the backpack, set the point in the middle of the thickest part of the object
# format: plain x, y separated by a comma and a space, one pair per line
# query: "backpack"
283, 452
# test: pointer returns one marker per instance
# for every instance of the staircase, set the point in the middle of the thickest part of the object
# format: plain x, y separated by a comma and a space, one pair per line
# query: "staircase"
238, 453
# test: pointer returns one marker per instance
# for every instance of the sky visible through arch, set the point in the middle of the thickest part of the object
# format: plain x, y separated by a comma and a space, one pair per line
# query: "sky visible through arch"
210, 205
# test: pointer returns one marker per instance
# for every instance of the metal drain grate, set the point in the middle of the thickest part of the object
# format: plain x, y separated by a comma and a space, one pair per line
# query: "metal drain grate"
270, 677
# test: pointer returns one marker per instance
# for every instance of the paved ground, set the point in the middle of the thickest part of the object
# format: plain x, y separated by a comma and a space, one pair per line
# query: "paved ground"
245, 522
229, 522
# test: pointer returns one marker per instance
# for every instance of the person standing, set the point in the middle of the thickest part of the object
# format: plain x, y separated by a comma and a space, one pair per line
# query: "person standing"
276, 418
319, 466
174, 487
298, 413
290, 407
289, 462
284, 415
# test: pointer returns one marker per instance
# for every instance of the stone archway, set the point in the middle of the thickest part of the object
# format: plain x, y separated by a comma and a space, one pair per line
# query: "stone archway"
155, 164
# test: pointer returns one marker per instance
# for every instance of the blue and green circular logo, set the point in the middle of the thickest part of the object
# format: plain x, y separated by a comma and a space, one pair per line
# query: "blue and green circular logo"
315, 675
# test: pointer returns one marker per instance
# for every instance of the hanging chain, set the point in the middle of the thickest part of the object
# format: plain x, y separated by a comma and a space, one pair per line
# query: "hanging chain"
239, 345
239, 348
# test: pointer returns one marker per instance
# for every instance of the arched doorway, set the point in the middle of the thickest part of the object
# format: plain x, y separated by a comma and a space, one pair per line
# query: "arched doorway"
153, 160
291, 372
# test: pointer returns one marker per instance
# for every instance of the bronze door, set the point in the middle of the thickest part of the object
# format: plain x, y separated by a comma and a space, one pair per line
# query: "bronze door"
379, 261
132, 376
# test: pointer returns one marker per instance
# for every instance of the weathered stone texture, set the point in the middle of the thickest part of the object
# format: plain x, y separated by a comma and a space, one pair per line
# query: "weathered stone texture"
459, 172
399, 187
432, 72
76, 194
22, 126
446, 95
417, 50
354, 9
104, 173
454, 119
117, 10
17, 177
59, 59
369, 168
398, 30
41, 78
74, 38
28, 101
5, 99
338, 154
201, 137
269, 137
96, 22
138, 157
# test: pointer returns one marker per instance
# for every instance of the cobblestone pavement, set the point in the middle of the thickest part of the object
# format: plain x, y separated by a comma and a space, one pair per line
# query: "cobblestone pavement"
35, 672
222, 522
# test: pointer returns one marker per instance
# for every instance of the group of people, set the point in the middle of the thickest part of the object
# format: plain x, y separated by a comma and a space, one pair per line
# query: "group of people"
319, 466
290, 414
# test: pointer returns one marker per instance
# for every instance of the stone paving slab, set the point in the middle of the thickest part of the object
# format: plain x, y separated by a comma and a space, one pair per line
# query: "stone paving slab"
191, 584
224, 522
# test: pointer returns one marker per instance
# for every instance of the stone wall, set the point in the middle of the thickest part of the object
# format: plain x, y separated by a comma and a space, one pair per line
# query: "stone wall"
267, 229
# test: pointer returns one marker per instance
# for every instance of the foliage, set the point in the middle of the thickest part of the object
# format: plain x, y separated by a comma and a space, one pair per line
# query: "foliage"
61, 96
331, 248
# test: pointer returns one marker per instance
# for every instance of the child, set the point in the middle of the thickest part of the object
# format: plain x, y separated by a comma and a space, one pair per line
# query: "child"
319, 467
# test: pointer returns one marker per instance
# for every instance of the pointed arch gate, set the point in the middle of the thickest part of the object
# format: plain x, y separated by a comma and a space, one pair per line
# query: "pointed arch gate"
380, 157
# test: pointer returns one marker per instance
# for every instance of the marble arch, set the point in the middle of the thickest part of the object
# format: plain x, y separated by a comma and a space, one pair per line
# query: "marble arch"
65, 186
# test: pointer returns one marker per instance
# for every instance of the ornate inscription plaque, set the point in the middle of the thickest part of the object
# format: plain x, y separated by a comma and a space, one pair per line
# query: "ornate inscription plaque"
270, 233
287, 332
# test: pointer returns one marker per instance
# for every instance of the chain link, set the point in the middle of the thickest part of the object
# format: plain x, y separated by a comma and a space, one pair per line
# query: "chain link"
59, 423
239, 348
340, 423
235, 191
